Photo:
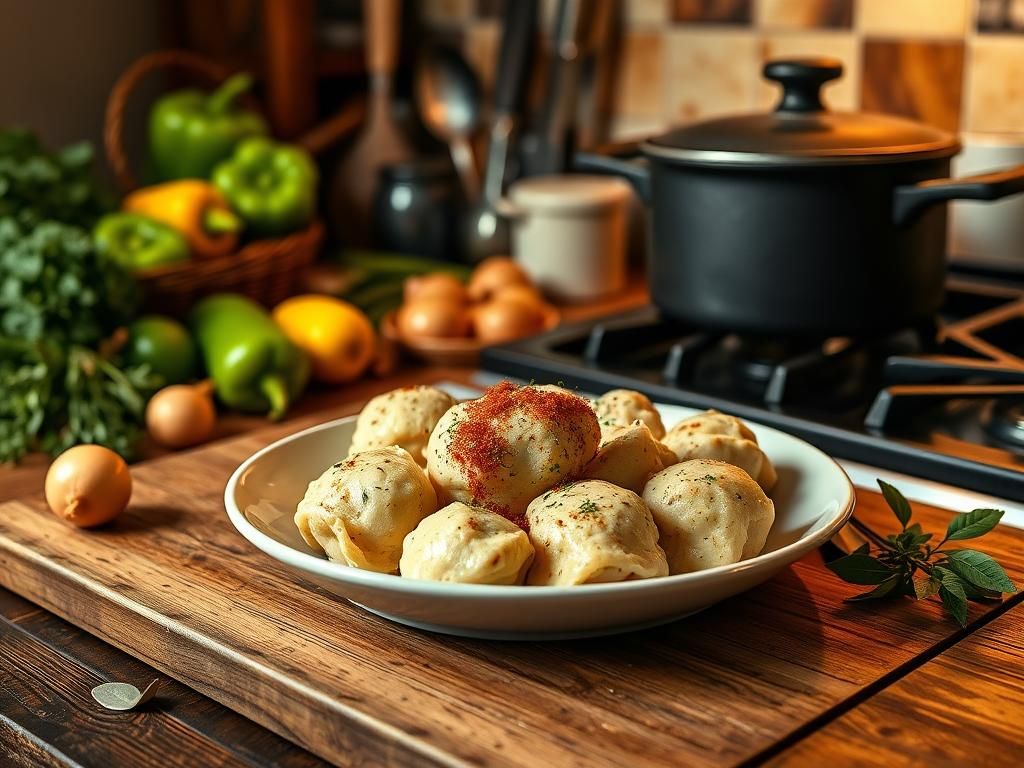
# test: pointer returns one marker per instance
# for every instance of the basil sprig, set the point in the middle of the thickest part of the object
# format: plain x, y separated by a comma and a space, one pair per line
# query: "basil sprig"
908, 564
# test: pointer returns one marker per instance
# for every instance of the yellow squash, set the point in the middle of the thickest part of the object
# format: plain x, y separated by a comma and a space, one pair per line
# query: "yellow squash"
194, 208
337, 336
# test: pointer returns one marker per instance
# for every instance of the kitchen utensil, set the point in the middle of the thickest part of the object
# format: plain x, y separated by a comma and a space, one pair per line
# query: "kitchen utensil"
813, 499
485, 233
381, 141
548, 146
448, 98
802, 221
988, 234
569, 233
416, 208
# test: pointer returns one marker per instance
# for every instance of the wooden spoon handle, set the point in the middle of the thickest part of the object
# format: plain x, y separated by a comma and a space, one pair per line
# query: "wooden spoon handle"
382, 21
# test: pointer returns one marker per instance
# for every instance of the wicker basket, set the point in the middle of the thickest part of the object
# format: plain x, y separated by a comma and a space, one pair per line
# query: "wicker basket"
264, 270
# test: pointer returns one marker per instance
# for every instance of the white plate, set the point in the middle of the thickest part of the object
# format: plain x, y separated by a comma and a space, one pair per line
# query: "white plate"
813, 499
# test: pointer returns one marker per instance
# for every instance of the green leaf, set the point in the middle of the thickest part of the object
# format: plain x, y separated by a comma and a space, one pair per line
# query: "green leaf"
951, 592
861, 569
978, 594
912, 538
980, 570
882, 590
970, 525
896, 501
924, 588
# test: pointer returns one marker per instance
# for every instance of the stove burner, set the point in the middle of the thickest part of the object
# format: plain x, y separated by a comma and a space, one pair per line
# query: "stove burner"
943, 401
1006, 422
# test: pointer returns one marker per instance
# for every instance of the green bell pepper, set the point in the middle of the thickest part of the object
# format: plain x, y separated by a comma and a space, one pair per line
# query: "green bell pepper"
271, 186
191, 131
253, 365
139, 242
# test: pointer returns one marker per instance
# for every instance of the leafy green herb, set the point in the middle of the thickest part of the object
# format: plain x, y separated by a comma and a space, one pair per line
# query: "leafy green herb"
709, 479
588, 507
555, 468
37, 185
366, 497
906, 564
59, 301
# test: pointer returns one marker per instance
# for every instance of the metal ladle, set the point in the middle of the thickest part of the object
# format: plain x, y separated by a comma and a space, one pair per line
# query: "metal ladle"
449, 101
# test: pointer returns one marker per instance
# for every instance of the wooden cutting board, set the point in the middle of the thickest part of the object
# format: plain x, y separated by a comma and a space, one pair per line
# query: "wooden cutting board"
173, 584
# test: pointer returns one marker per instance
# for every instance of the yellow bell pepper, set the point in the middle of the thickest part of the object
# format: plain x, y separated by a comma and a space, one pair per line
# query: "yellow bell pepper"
336, 336
196, 209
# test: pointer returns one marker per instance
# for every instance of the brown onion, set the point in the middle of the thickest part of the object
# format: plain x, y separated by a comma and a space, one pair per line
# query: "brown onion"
88, 485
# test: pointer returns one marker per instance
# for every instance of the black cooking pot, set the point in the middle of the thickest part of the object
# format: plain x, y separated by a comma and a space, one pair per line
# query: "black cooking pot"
802, 221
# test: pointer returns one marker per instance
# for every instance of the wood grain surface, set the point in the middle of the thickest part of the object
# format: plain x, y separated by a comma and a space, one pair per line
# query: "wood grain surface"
962, 708
172, 583
48, 716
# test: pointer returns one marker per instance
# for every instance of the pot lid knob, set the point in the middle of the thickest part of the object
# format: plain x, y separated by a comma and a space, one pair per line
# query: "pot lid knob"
801, 81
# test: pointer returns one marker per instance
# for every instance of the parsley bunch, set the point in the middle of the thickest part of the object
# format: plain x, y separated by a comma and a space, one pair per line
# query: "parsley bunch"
59, 300
908, 564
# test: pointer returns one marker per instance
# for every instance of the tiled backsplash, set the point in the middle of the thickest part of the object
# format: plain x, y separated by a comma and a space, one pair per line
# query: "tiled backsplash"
958, 64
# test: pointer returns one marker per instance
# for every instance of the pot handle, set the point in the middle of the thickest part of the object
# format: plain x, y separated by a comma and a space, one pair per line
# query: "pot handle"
636, 171
912, 199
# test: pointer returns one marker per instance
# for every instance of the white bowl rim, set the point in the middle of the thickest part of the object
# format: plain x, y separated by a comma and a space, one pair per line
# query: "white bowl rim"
334, 571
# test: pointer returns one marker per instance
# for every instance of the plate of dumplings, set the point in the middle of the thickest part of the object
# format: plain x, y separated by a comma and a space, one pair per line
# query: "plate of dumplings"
532, 512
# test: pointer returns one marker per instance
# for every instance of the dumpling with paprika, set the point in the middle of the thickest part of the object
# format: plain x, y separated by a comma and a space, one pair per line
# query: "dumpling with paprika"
506, 448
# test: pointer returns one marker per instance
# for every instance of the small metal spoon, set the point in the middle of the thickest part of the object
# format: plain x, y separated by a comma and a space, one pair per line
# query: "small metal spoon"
448, 97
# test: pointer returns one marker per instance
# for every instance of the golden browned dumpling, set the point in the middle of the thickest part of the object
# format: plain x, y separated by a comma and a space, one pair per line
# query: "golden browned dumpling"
359, 511
709, 513
628, 456
469, 545
590, 532
404, 417
506, 448
621, 407
714, 435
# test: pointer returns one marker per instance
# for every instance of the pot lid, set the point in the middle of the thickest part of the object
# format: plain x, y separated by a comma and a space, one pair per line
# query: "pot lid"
802, 131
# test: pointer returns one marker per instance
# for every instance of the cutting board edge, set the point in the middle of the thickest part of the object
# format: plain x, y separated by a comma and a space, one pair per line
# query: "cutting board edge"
393, 746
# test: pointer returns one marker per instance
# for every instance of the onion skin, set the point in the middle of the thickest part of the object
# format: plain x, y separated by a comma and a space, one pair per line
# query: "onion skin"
88, 485
492, 275
181, 415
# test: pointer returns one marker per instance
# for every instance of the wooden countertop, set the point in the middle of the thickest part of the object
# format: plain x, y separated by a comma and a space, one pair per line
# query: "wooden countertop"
788, 674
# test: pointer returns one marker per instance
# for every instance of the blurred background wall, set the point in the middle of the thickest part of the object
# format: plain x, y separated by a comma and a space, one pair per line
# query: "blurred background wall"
954, 63
60, 57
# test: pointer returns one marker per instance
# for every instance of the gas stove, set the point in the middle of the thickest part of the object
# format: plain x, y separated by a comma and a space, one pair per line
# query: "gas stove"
943, 402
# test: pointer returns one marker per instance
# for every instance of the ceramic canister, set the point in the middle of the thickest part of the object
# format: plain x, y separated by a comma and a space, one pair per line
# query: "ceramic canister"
569, 233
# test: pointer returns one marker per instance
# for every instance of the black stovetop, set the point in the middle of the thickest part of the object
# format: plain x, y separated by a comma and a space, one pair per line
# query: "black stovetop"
944, 402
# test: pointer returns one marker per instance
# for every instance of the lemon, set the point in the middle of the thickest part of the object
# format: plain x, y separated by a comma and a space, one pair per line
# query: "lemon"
337, 336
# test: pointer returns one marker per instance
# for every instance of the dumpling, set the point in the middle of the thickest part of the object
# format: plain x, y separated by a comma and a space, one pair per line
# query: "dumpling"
505, 449
714, 435
590, 532
621, 407
360, 509
628, 456
403, 417
714, 423
468, 545
709, 513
